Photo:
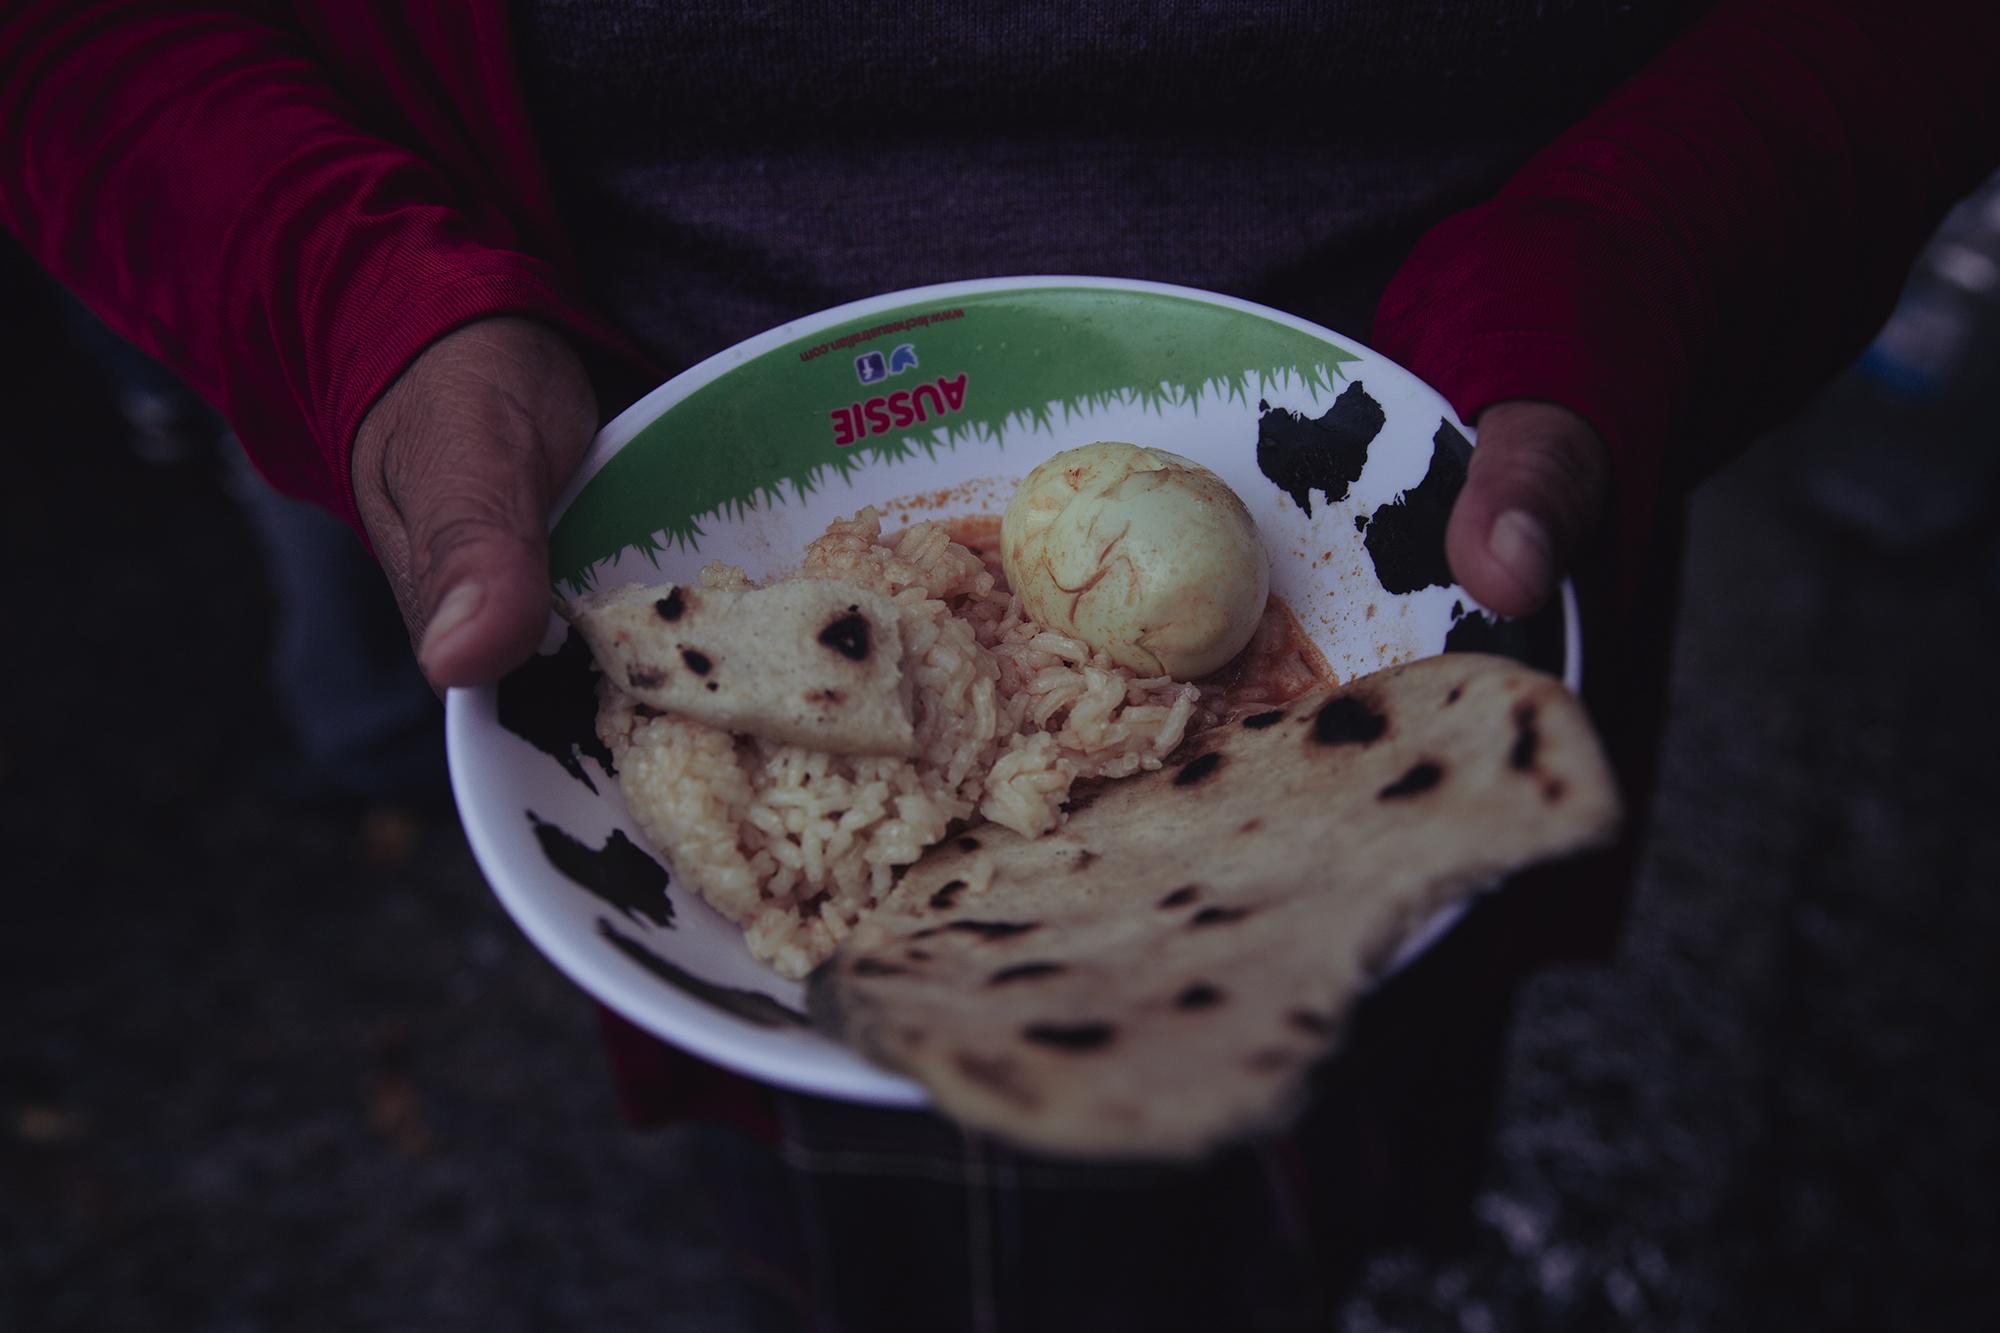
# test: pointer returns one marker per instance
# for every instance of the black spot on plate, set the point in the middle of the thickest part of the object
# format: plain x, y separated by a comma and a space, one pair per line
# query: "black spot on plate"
620, 872
749, 1005
550, 701
1535, 640
1405, 537
1303, 454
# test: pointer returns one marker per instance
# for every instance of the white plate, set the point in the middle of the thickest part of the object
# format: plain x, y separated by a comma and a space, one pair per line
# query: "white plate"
935, 402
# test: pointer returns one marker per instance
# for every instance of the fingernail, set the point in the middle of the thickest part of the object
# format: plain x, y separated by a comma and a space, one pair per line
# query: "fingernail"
456, 608
1521, 545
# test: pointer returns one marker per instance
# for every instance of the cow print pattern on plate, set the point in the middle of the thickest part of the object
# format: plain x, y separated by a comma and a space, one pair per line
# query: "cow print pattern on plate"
1405, 538
749, 1005
1326, 454
550, 701
621, 872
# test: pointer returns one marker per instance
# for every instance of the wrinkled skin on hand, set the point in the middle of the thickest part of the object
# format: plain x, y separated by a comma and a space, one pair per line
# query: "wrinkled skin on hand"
454, 470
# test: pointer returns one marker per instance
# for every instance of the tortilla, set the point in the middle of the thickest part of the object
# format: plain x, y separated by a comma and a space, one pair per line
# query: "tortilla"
1156, 977
813, 662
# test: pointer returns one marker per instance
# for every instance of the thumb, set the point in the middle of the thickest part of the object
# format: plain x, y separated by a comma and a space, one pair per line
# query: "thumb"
454, 472
480, 567
1534, 490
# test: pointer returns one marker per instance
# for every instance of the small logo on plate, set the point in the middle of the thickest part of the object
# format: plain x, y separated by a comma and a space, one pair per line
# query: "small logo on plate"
873, 367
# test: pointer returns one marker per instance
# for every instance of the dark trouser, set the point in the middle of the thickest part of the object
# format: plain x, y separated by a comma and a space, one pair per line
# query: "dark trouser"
864, 1220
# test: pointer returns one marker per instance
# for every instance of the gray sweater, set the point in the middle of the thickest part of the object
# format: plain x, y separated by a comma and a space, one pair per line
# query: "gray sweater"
728, 166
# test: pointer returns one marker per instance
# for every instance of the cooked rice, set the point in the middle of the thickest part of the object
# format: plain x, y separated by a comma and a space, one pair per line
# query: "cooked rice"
794, 844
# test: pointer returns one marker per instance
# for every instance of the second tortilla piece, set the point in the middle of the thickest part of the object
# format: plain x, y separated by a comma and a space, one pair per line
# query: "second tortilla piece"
812, 662
1156, 977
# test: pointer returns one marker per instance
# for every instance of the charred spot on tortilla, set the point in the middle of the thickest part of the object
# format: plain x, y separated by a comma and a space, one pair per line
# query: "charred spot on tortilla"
1552, 790
713, 686
998, 1075
1198, 995
848, 635
877, 967
968, 844
697, 661
1070, 1036
917, 955
1024, 972
1305, 1020
1082, 797
1197, 769
1420, 778
1526, 739
646, 678
1347, 719
985, 930
1084, 858
1457, 693
1269, 718
947, 894
1185, 1076
671, 606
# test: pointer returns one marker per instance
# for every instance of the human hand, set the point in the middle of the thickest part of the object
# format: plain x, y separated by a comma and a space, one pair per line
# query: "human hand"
454, 470
1536, 488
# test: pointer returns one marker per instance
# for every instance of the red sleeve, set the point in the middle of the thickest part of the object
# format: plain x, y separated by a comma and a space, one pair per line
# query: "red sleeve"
1721, 236
191, 172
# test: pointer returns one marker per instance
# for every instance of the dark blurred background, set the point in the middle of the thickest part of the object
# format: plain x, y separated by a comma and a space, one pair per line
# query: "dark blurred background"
272, 1057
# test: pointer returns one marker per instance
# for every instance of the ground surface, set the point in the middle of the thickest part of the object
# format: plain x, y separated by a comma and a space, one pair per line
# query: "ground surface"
269, 1064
